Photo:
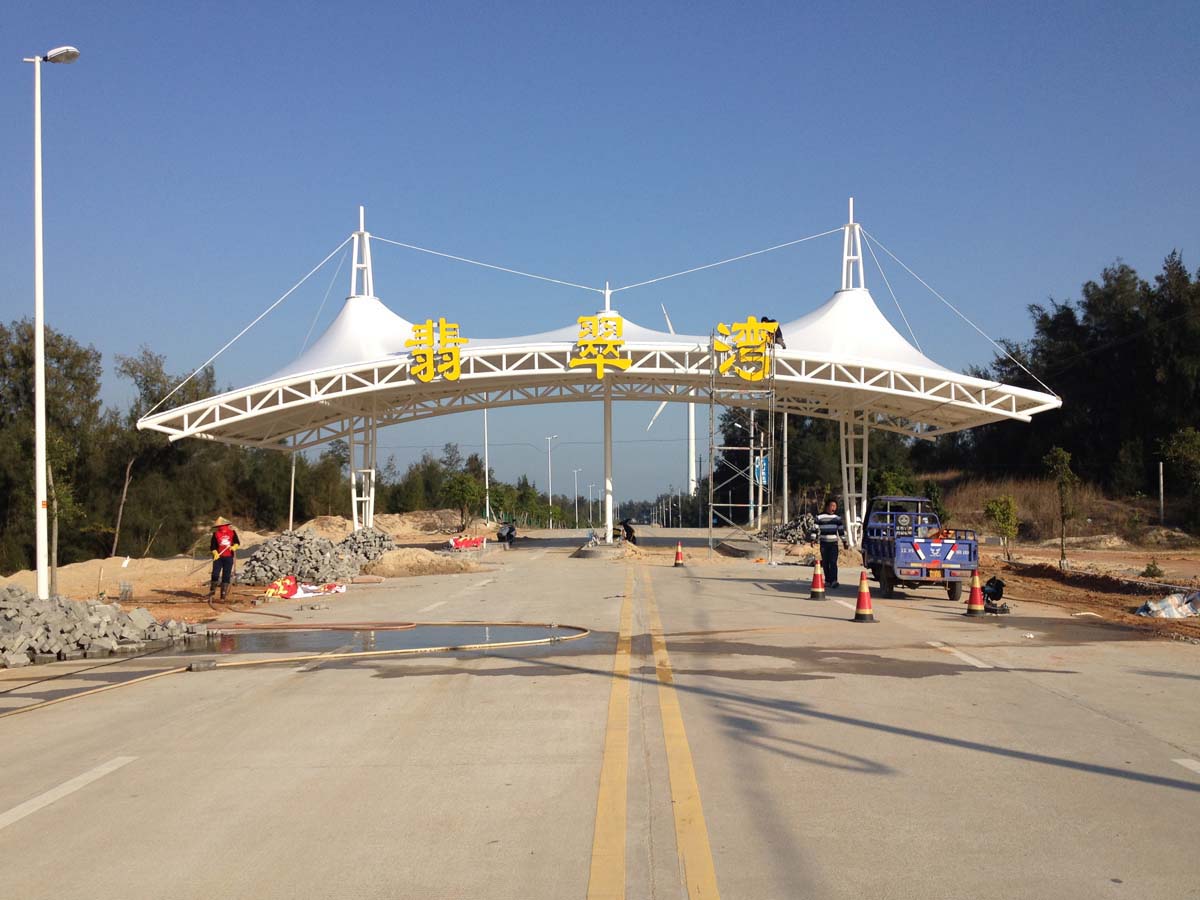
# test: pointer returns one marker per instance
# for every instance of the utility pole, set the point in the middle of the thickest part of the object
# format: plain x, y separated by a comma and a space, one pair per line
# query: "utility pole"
1162, 509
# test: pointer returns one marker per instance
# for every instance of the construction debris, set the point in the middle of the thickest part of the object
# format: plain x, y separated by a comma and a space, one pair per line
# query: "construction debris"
33, 630
312, 558
1172, 606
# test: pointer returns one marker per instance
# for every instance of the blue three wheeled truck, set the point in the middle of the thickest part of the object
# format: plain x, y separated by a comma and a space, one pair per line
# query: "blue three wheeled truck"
905, 544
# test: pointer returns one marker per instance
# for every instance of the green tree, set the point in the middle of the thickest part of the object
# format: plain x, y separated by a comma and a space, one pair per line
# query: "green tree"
933, 493
1182, 451
1058, 465
74, 422
1001, 514
464, 493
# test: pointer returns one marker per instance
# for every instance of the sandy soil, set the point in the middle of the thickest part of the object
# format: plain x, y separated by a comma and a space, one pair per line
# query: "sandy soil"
1080, 592
418, 561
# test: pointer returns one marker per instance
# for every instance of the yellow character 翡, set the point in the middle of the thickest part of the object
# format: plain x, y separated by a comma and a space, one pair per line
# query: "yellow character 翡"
435, 350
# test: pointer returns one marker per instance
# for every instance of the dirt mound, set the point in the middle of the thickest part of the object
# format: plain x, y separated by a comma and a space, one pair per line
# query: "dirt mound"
332, 528
425, 521
92, 577
1167, 537
415, 561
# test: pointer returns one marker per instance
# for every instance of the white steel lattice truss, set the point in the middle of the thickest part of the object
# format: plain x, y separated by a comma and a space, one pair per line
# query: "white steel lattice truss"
844, 362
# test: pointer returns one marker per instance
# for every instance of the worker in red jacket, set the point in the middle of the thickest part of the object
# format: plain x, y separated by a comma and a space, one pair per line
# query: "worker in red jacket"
224, 545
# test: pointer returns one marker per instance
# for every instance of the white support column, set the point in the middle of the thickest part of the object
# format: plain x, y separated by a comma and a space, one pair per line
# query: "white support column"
750, 477
855, 432
352, 465
784, 474
363, 450
608, 480
691, 448
487, 475
292, 496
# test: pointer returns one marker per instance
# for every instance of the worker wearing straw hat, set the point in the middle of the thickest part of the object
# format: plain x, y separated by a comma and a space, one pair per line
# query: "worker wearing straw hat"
224, 545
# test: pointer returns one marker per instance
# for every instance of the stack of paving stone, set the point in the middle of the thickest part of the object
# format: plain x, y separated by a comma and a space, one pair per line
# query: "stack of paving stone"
314, 559
33, 630
368, 543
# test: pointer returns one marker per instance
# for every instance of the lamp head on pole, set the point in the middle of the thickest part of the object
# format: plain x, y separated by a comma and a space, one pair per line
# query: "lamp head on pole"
62, 55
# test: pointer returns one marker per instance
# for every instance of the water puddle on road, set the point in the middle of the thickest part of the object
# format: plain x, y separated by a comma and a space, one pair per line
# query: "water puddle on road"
418, 637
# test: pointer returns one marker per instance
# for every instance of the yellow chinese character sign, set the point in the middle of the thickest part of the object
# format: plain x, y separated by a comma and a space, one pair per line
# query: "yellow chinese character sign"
435, 350
746, 347
599, 344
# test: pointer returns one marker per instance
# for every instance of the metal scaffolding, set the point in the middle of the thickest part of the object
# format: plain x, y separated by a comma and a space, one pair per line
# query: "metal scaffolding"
752, 518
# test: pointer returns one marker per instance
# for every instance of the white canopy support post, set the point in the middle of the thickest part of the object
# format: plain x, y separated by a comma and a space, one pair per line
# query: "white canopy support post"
852, 258
608, 480
292, 494
362, 281
783, 481
691, 446
854, 445
487, 475
363, 450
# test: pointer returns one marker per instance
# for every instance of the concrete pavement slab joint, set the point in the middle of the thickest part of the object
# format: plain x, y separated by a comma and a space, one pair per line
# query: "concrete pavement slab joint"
17, 813
965, 657
691, 831
1188, 764
606, 880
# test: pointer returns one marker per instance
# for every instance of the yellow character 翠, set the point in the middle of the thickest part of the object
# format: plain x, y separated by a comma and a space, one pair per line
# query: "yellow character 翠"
422, 346
435, 350
746, 350
449, 342
599, 343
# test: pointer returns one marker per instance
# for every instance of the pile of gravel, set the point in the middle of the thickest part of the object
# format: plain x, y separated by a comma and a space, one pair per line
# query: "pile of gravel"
312, 558
33, 630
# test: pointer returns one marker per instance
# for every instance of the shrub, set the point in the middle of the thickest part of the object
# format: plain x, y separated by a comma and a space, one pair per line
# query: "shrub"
1001, 513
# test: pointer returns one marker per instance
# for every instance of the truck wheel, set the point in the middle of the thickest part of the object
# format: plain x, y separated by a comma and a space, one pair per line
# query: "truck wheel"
887, 583
954, 591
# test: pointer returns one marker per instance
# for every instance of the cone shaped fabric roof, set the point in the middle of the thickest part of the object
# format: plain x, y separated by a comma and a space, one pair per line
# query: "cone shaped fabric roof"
364, 330
850, 327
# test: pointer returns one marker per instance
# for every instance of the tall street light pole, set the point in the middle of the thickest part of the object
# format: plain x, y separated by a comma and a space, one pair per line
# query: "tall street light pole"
550, 478
57, 55
576, 472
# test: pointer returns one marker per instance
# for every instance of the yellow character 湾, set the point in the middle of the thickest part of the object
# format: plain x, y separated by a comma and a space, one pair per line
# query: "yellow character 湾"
745, 345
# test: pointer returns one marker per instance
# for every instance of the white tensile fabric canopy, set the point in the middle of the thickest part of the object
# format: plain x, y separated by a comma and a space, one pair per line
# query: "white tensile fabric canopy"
843, 361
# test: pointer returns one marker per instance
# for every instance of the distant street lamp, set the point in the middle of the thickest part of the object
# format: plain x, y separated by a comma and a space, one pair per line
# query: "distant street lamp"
591, 510
550, 479
57, 55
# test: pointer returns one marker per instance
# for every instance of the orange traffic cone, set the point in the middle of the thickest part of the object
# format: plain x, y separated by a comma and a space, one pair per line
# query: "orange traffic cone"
817, 591
863, 612
975, 604
679, 553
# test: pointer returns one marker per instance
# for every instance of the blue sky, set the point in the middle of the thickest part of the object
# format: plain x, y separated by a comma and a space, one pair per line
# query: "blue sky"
199, 158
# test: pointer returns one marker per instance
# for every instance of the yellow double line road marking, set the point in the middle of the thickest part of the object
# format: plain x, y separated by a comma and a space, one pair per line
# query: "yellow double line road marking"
691, 832
607, 877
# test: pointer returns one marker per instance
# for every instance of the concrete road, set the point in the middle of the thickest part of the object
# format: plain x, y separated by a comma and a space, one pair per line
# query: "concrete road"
718, 734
